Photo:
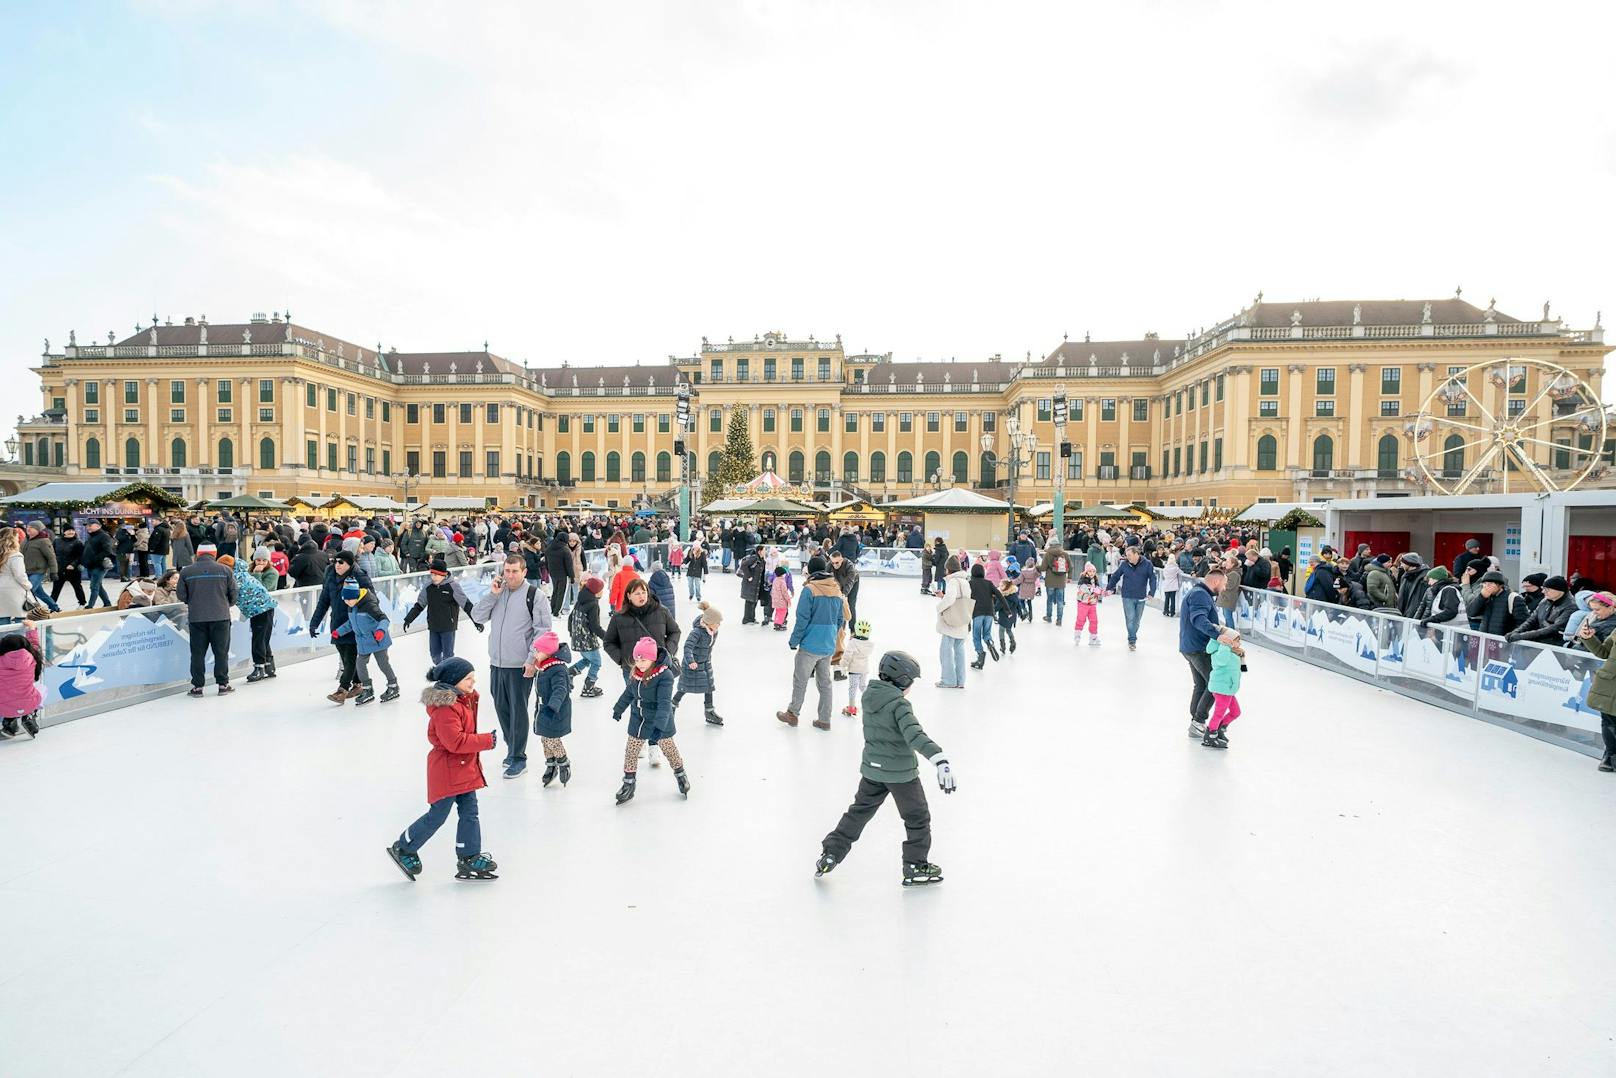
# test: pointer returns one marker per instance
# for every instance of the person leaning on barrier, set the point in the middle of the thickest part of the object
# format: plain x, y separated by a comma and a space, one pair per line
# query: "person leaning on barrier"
1547, 623
1442, 604
1494, 609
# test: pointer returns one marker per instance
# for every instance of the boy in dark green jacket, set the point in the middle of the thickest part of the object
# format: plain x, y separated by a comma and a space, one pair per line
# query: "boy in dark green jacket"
892, 737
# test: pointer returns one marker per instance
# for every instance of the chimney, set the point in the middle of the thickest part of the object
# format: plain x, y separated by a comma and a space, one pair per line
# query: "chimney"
190, 321
259, 318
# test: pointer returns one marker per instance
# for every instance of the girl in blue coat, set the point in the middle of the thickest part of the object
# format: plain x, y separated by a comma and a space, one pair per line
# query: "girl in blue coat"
550, 662
368, 626
648, 697
696, 675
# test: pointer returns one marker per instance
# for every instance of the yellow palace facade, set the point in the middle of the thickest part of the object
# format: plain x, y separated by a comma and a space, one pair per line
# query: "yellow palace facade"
1280, 401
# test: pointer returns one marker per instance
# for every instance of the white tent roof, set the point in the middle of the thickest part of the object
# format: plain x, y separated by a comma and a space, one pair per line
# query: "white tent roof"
727, 505
954, 499
64, 492
1265, 511
371, 501
442, 502
1178, 512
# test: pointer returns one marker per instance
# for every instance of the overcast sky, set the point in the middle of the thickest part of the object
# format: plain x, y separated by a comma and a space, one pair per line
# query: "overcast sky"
606, 183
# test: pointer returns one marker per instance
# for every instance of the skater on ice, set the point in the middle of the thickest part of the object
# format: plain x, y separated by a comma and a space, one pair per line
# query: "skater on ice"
648, 698
552, 720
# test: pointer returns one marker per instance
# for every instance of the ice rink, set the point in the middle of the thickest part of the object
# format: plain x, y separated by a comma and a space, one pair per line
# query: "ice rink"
1360, 885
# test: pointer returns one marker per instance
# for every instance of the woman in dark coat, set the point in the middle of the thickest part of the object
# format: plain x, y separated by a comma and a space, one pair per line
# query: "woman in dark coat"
751, 573
641, 616
558, 561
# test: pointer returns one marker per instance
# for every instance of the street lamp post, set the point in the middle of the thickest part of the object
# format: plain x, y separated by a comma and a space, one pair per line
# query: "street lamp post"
1021, 442
1063, 450
406, 477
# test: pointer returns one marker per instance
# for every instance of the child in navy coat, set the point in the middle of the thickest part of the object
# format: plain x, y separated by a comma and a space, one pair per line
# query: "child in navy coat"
648, 697
696, 675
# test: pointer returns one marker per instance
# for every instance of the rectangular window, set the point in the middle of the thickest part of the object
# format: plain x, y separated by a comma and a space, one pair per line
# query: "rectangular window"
1042, 464
491, 464
412, 461
1205, 389
1219, 391
92, 415
1390, 407
535, 419
227, 394
387, 462
822, 421
614, 424
1074, 464
639, 423
715, 420
312, 457
311, 395
412, 413
905, 468
439, 414
131, 392
92, 392
176, 415
715, 372
1268, 382
768, 368
1516, 407
589, 424
331, 456
796, 368
796, 420
1178, 459
663, 423
353, 458
1217, 454
850, 422
1108, 409
176, 391
330, 402
465, 414
563, 424
1074, 408
1324, 408
1045, 410
1166, 459
266, 391
131, 415
440, 464
961, 422
370, 407
934, 422
1324, 381
768, 421
990, 421
370, 460
1178, 403
226, 415
824, 369
906, 422
743, 369
387, 412
1268, 409
878, 422
1141, 409
1391, 381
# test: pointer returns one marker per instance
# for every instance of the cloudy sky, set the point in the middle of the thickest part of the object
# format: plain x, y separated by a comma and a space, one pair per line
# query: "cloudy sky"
610, 182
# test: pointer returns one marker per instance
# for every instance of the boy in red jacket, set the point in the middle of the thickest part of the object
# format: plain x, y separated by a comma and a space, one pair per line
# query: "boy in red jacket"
453, 773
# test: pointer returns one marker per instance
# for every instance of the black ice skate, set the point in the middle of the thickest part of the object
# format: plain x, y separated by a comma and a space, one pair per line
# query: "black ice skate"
390, 694
269, 668
591, 690
258, 674
683, 780
480, 867
915, 875
1209, 740
825, 863
408, 863
550, 769
564, 767
30, 722
625, 793
365, 697
713, 718
8, 728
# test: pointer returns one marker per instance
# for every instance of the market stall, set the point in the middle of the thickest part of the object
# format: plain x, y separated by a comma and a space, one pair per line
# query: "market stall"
962, 517
61, 504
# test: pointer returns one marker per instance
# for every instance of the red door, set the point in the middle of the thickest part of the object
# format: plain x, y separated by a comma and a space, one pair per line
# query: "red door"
1593, 556
1393, 543
1450, 545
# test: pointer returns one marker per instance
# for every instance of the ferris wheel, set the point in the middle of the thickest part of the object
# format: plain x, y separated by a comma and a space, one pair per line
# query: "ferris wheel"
1459, 443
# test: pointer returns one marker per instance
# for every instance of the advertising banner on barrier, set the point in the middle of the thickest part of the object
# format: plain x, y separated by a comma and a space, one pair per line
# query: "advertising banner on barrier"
1544, 684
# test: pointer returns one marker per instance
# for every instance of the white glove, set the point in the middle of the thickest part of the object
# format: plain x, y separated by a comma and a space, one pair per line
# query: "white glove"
945, 773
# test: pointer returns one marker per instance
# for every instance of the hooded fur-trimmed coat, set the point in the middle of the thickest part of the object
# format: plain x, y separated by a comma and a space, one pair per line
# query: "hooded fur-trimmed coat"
453, 766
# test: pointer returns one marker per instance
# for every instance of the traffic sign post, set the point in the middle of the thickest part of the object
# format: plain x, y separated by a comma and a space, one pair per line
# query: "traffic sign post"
682, 418
1064, 449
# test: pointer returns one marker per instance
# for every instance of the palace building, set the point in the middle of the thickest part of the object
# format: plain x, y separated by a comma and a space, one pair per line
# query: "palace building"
1281, 401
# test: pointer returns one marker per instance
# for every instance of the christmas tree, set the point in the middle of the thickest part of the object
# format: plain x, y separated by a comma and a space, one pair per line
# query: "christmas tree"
737, 465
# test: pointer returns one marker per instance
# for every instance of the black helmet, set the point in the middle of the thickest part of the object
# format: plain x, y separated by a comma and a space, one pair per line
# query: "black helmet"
898, 667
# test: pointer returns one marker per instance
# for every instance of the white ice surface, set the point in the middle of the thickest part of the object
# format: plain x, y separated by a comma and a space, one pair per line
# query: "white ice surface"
1360, 885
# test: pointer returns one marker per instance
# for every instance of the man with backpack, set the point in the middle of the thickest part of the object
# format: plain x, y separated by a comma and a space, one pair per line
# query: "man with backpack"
514, 619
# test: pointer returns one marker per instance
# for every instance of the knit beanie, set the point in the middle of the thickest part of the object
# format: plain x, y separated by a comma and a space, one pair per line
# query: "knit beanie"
207, 548
547, 643
816, 564
1557, 583
350, 589
645, 649
438, 565
1439, 574
1535, 579
450, 672
1382, 559
711, 616
594, 584
1412, 561
1494, 578
227, 561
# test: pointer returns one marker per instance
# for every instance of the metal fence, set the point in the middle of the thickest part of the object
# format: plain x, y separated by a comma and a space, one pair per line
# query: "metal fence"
1535, 689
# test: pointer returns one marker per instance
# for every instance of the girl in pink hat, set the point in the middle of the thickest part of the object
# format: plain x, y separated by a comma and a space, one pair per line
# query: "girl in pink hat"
648, 697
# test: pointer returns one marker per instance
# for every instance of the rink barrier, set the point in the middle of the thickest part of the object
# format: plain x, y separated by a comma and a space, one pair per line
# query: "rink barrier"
1536, 689
111, 659
873, 561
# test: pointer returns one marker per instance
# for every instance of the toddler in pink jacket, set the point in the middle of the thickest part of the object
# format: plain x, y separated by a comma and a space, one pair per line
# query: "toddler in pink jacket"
22, 666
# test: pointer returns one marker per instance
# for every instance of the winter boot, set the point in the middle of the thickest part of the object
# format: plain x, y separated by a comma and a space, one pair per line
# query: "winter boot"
626, 791
408, 863
480, 867
683, 781
30, 723
592, 690
338, 697
825, 863
821, 724
922, 873
787, 717
391, 693
258, 674
551, 766
365, 697
713, 718
564, 768
1197, 729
